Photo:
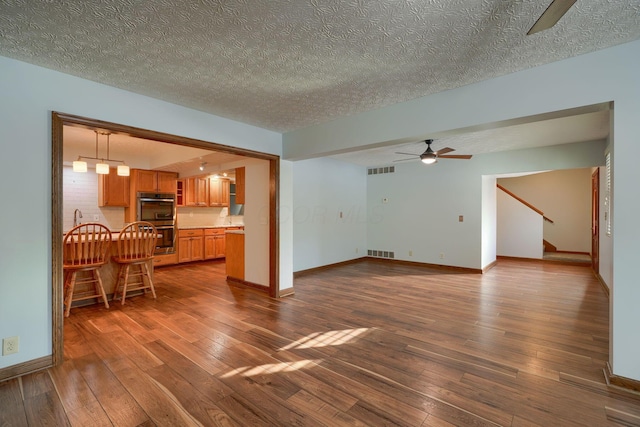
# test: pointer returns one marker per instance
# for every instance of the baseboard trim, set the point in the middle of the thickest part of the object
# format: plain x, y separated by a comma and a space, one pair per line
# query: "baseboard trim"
425, 265
543, 261
287, 293
627, 385
490, 266
26, 368
301, 273
605, 288
236, 281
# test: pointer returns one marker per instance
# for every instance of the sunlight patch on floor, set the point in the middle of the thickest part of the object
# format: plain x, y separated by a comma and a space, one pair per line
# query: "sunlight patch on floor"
325, 339
272, 368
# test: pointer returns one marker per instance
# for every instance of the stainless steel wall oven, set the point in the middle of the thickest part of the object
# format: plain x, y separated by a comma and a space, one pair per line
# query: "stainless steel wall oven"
160, 210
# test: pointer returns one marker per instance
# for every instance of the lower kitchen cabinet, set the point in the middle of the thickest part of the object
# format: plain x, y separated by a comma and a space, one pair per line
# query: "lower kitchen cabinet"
190, 245
214, 243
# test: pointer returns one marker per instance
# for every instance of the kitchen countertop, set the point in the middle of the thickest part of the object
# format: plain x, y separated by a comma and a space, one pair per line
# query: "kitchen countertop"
235, 231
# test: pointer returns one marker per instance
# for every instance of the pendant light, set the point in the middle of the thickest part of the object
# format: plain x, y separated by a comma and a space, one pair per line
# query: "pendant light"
102, 167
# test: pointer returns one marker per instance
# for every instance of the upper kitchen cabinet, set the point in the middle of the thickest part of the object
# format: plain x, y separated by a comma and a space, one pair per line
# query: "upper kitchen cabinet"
113, 189
154, 181
195, 191
219, 192
240, 185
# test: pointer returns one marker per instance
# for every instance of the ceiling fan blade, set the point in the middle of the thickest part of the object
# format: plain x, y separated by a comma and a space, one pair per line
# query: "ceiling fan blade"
408, 154
445, 150
456, 156
406, 160
551, 16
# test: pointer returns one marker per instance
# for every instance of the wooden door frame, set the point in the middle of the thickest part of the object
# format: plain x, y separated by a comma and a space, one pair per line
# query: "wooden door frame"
595, 221
58, 121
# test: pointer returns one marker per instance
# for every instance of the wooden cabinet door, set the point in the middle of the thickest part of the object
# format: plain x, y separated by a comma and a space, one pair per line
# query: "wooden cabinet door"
209, 247
220, 246
145, 180
113, 190
166, 182
240, 186
219, 192
180, 200
197, 248
196, 191
184, 249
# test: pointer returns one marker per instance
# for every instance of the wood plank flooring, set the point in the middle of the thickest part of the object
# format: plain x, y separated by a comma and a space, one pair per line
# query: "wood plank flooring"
365, 344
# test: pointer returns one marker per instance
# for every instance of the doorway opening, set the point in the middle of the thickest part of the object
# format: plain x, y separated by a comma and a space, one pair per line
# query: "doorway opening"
59, 121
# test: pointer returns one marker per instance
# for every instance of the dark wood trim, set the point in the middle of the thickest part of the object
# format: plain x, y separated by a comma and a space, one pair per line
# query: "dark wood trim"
540, 260
427, 265
26, 368
301, 273
58, 121
57, 312
274, 228
573, 252
524, 202
621, 383
236, 281
603, 284
490, 266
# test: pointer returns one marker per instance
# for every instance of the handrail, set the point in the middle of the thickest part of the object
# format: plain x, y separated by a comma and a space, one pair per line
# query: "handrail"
524, 202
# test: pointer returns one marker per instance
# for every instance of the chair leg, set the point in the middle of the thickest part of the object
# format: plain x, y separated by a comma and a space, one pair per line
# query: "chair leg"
125, 283
69, 292
99, 287
145, 270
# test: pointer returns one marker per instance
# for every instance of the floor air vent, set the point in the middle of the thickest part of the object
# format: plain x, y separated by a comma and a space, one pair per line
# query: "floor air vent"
377, 171
380, 254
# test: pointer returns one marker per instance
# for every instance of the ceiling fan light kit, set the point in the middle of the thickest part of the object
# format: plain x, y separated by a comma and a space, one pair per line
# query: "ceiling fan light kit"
430, 157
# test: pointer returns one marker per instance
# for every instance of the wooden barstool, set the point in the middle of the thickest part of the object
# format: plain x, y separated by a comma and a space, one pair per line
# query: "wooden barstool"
136, 245
86, 248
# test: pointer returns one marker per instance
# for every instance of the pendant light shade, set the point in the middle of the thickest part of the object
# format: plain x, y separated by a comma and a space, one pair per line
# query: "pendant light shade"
123, 170
79, 166
102, 167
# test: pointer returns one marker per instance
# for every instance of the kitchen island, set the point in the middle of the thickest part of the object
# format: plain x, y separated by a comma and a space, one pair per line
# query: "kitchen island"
235, 254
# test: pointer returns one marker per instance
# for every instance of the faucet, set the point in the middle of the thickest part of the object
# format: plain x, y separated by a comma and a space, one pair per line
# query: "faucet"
76, 214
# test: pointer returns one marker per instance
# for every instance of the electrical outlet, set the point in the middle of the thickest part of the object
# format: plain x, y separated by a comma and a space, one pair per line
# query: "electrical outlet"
410, 253
441, 255
10, 345
356, 250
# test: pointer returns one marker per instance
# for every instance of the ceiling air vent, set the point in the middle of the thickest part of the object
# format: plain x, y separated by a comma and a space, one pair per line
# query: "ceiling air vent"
378, 171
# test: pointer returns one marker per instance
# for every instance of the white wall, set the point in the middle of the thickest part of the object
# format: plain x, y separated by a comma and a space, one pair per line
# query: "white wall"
256, 222
489, 221
29, 95
425, 202
565, 197
594, 78
285, 241
519, 229
323, 188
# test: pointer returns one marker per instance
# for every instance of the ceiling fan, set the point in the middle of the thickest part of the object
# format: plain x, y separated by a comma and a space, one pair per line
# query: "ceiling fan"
551, 15
430, 156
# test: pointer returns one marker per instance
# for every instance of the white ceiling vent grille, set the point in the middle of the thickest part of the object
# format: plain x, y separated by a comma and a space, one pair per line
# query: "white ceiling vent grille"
378, 171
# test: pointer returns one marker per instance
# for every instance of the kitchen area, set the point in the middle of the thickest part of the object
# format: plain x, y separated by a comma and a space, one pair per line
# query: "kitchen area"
198, 201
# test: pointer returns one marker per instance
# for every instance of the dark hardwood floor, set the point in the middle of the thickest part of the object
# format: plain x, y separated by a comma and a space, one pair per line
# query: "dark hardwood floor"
366, 344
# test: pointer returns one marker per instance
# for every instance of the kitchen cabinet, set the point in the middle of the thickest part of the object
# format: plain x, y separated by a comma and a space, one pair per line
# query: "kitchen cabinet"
154, 181
235, 255
190, 245
180, 186
219, 192
240, 185
214, 243
113, 190
196, 191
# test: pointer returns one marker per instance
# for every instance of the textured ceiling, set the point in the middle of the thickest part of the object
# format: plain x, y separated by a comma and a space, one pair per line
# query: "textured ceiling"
287, 64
